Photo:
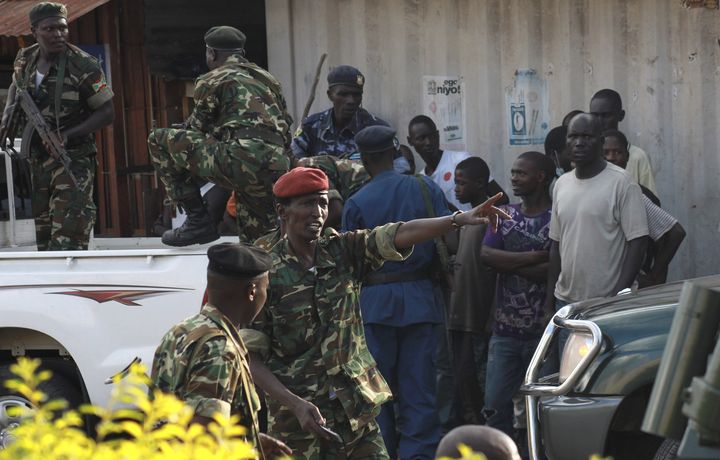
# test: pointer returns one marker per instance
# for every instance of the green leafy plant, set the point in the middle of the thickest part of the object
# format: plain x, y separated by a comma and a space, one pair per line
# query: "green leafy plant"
135, 426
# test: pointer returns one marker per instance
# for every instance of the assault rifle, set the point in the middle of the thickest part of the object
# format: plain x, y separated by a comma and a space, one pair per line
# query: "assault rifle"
35, 122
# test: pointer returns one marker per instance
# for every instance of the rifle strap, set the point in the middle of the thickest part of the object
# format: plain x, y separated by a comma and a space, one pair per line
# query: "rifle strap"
440, 245
59, 82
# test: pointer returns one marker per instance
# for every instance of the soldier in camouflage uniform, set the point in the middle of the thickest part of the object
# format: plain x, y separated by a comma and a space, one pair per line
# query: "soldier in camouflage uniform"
332, 132
236, 137
345, 177
203, 360
308, 347
70, 90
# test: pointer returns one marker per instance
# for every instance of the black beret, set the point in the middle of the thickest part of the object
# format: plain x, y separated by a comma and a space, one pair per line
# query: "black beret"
46, 10
376, 139
224, 38
239, 260
345, 75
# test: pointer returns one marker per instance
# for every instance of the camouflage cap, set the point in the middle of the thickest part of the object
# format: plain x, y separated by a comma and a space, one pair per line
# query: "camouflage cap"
46, 10
376, 139
224, 38
345, 75
238, 260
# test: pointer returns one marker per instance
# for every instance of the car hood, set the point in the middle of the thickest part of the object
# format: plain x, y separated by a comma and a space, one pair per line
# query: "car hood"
635, 328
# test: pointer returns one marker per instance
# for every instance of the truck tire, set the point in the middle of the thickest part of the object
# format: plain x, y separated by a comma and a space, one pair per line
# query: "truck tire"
58, 387
667, 450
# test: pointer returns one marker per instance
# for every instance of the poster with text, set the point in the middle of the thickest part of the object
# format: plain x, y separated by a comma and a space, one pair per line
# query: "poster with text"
527, 109
443, 102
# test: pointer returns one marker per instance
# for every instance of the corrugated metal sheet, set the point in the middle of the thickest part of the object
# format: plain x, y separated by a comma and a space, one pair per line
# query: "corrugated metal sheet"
14, 14
662, 58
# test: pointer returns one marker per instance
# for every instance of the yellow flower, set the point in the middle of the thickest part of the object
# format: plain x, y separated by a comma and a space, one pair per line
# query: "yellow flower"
134, 426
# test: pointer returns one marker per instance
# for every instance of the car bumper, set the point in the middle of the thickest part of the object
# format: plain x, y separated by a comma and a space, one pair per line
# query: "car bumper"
576, 427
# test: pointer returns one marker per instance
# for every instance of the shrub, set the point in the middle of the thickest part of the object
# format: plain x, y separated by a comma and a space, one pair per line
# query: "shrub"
133, 427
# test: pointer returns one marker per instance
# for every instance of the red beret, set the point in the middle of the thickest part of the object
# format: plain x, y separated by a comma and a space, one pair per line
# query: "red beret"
300, 181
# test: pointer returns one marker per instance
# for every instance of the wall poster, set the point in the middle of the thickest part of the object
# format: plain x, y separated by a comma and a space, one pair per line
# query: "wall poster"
527, 109
443, 101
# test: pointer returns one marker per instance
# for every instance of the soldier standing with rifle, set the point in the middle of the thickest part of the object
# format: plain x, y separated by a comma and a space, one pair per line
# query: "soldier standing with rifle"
67, 88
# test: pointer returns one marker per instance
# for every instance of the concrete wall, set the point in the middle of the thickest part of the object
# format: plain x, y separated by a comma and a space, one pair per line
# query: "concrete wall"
663, 59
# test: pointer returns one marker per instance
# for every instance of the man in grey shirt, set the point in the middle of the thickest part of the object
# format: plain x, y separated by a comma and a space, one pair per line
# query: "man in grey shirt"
598, 226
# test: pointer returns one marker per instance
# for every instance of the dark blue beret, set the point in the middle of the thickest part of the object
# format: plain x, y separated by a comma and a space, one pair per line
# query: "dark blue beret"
376, 139
345, 75
238, 260
46, 10
224, 38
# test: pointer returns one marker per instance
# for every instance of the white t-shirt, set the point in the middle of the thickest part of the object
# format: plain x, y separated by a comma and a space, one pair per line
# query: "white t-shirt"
592, 219
444, 176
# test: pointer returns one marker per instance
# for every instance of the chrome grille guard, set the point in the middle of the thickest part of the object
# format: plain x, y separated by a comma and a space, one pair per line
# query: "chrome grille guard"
532, 389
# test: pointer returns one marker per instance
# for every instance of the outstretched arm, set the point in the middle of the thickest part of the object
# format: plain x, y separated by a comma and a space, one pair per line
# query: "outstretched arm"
306, 412
420, 230
493, 188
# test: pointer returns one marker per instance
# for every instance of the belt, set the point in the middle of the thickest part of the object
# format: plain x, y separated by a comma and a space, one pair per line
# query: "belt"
266, 135
396, 277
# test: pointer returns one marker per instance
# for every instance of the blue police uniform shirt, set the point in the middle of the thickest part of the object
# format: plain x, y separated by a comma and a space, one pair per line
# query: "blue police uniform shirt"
393, 197
317, 135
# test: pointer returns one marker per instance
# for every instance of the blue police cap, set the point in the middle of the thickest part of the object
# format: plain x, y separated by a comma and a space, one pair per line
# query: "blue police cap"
345, 75
238, 260
376, 139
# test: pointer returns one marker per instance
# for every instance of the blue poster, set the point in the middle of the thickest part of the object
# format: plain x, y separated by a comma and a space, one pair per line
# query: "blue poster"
527, 109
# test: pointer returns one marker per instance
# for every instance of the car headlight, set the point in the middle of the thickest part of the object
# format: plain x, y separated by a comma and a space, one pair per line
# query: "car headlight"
576, 348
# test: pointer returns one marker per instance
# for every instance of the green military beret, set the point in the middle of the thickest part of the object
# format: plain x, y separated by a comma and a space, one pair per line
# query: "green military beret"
376, 139
224, 38
46, 10
238, 260
345, 75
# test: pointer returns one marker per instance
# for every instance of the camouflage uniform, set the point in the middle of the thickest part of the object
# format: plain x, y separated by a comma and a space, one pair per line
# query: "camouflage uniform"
345, 176
311, 336
64, 214
203, 361
317, 135
236, 138
268, 240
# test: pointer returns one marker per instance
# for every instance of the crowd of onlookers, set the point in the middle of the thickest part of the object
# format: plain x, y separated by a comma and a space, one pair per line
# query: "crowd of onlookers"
586, 222
454, 324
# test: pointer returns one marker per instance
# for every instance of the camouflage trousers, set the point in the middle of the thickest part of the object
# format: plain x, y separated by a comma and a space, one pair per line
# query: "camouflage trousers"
364, 443
247, 166
64, 214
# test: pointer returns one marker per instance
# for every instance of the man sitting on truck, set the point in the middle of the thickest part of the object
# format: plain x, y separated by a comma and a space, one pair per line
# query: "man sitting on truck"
235, 137
203, 360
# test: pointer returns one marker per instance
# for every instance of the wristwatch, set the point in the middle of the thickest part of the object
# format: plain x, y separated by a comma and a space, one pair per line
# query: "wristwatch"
454, 219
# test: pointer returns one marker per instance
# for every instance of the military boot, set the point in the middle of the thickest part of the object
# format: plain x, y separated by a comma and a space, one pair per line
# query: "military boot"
198, 228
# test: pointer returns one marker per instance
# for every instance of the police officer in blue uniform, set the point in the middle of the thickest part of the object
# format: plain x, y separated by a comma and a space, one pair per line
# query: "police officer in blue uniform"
401, 305
332, 131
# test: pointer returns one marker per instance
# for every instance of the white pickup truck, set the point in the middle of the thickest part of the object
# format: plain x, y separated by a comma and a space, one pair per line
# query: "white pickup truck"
88, 314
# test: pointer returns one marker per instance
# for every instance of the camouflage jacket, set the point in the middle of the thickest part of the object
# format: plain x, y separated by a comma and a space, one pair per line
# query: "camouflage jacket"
311, 332
238, 95
84, 90
203, 361
317, 135
345, 176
